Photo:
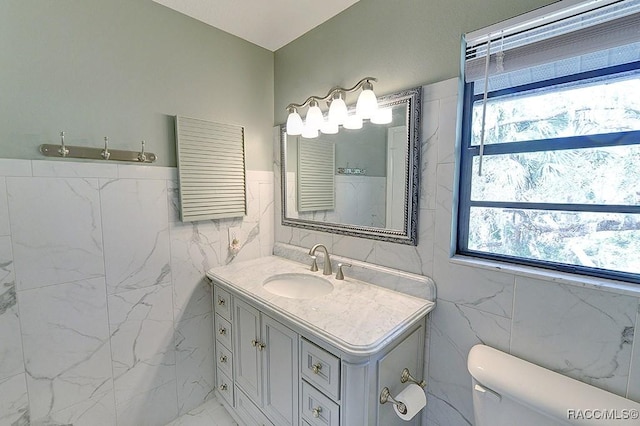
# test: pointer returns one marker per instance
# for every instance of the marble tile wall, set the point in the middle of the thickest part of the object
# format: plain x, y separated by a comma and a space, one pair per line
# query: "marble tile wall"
578, 330
105, 313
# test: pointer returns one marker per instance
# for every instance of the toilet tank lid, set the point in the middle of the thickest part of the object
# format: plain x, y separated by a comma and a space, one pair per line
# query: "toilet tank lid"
537, 387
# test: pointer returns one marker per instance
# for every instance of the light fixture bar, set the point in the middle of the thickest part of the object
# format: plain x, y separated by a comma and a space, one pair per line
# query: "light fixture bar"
366, 108
329, 95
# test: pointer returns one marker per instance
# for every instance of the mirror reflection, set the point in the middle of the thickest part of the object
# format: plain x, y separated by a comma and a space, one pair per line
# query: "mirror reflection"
357, 182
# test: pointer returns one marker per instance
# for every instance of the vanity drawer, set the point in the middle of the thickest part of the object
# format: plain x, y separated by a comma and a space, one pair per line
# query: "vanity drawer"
317, 409
224, 360
222, 302
225, 387
321, 369
249, 412
223, 331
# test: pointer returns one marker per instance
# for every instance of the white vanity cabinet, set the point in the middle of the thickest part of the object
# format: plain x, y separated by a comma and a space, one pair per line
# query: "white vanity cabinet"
224, 348
266, 353
276, 376
316, 362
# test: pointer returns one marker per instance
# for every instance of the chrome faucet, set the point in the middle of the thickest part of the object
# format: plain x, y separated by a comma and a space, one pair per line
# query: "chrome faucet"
340, 274
326, 270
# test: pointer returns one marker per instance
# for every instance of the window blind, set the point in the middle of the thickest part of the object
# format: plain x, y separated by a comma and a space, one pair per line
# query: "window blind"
552, 37
316, 175
211, 169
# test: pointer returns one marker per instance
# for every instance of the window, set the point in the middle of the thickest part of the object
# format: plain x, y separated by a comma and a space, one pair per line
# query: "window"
550, 156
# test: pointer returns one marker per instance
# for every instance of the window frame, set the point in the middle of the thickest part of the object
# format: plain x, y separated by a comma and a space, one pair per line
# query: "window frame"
469, 151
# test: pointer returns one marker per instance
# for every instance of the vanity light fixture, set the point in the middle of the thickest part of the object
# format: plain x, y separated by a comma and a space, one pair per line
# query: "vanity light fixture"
353, 122
338, 108
382, 116
314, 119
366, 108
367, 103
294, 122
329, 128
309, 132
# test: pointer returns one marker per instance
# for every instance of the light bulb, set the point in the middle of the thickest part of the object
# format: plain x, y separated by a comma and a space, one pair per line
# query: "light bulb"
338, 109
382, 116
309, 132
314, 116
367, 103
329, 128
294, 123
353, 122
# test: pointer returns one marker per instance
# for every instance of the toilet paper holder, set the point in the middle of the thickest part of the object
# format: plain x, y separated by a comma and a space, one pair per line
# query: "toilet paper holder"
385, 396
405, 376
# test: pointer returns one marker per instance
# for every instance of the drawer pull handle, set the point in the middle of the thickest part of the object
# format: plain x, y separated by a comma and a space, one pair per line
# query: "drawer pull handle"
223, 358
316, 412
316, 368
221, 301
223, 387
222, 331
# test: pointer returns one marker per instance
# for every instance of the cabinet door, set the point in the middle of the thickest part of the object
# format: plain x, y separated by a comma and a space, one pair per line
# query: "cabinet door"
280, 356
409, 354
247, 357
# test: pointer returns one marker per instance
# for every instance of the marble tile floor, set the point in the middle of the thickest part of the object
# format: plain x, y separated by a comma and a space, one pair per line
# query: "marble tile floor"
211, 413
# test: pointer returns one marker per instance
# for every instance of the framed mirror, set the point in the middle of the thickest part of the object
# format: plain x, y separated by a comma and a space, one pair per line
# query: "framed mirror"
362, 183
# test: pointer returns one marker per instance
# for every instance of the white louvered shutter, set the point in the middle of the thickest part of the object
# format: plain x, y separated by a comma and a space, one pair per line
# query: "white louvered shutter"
211, 169
316, 176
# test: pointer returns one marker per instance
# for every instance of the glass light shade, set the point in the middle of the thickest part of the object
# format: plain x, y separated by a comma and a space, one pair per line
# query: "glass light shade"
367, 104
382, 116
353, 122
329, 128
314, 117
309, 132
338, 111
294, 124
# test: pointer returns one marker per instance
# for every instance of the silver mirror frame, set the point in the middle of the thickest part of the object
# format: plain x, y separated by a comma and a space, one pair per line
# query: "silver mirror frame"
408, 235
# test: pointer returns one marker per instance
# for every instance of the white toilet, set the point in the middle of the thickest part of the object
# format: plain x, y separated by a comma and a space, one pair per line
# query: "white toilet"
508, 391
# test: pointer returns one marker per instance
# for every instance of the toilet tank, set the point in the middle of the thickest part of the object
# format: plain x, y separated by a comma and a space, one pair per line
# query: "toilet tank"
509, 391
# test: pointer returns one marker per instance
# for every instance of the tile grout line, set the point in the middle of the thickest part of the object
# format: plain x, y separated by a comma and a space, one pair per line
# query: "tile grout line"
106, 291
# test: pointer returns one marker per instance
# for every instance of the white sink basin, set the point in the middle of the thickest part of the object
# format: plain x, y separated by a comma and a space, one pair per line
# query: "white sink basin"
297, 286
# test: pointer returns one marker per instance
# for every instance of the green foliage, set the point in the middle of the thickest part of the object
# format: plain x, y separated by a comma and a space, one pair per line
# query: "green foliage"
609, 176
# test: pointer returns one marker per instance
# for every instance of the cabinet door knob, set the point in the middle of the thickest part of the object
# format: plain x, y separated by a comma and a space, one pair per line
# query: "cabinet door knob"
222, 331
317, 411
261, 346
254, 343
223, 358
221, 301
316, 368
223, 387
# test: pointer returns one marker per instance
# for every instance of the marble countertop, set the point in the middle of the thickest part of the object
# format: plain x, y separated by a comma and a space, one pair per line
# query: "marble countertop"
356, 317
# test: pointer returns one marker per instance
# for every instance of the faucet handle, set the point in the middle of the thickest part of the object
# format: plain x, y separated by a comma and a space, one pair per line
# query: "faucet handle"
339, 274
314, 264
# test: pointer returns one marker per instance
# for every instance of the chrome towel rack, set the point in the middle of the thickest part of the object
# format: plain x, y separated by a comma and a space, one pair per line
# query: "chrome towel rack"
69, 151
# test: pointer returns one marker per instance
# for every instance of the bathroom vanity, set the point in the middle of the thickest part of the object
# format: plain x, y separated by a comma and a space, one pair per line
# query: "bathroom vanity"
322, 360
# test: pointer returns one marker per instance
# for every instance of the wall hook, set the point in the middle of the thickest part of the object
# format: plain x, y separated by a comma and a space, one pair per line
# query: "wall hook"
67, 151
142, 157
407, 377
105, 153
385, 396
63, 151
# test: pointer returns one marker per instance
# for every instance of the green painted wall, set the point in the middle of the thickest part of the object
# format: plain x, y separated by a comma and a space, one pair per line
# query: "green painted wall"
403, 43
123, 69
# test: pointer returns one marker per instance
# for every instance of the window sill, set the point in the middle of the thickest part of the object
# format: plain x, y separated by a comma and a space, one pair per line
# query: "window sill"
611, 286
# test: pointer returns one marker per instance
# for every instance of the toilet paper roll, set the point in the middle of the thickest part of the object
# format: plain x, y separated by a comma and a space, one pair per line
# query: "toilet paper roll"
413, 398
